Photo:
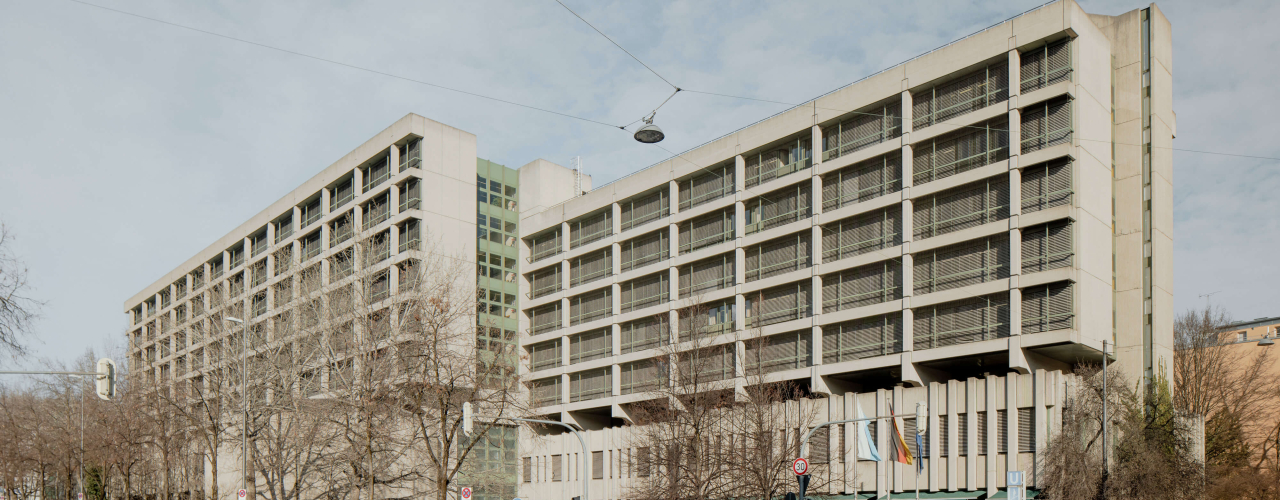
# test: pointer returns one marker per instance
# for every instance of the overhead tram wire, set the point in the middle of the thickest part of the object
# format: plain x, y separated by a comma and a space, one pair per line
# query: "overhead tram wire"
340, 63
558, 113
633, 56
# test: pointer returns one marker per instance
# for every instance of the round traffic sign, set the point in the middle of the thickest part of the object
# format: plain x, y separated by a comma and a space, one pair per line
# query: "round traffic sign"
242, 493
466, 494
800, 466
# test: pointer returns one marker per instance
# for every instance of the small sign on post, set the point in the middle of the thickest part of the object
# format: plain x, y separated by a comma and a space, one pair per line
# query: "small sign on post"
800, 466
1017, 485
466, 493
242, 493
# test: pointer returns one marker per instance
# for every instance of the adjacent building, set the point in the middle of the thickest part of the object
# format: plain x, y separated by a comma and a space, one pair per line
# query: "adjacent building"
961, 229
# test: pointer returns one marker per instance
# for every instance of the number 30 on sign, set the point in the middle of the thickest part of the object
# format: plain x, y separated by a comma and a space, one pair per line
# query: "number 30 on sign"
800, 466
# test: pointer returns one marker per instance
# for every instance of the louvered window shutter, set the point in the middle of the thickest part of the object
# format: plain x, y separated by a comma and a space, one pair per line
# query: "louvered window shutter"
1026, 430
1002, 428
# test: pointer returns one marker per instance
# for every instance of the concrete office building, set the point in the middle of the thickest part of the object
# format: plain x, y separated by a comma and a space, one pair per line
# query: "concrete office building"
960, 229
409, 184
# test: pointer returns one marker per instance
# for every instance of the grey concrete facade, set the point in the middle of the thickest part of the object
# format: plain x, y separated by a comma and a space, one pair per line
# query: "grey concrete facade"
1063, 267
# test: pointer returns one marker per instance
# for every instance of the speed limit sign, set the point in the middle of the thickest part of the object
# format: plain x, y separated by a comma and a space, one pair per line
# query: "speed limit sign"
800, 466
466, 493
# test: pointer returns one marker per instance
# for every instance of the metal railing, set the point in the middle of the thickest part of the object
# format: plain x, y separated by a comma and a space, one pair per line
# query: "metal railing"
705, 286
780, 170
777, 220
707, 241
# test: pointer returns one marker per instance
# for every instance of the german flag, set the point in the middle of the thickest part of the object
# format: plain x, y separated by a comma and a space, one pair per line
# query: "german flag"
901, 452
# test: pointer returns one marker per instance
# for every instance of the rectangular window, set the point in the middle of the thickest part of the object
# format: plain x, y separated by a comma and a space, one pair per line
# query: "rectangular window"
590, 384
591, 228
778, 256
544, 355
863, 129
544, 319
862, 181
236, 255
778, 208
258, 242
197, 278
962, 430
379, 286
341, 265
862, 234
645, 333
862, 286
591, 267
597, 465
966, 94
962, 321
1046, 185
961, 207
546, 392
861, 338
283, 260
545, 281
645, 208
706, 230
341, 229
411, 155
1047, 124
778, 304
960, 151
642, 376
341, 193
645, 292
713, 184
701, 366
591, 306
555, 467
778, 352
311, 245
790, 156
376, 248
283, 292
1046, 247
587, 346
944, 435
1047, 307
1002, 431
528, 469
258, 273
410, 194
706, 320
259, 304
969, 263
311, 211
410, 235
377, 210
1026, 430
376, 173
1045, 65
715, 273
982, 433
647, 249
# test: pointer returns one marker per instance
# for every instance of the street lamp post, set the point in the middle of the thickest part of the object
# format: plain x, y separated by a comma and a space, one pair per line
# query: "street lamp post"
244, 404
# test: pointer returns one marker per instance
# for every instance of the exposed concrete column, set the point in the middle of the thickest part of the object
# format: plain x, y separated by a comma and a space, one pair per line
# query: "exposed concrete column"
564, 350
673, 327
357, 181
971, 433
1011, 420
673, 284
739, 265
1040, 388
564, 280
815, 346
564, 236
616, 378
1015, 68
564, 398
615, 258
815, 144
564, 313
393, 157
673, 241
616, 218
739, 312
674, 200
993, 431
615, 332
882, 443
815, 195
739, 174
931, 430
953, 435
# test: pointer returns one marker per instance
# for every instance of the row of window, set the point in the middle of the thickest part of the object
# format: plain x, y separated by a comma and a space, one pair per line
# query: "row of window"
494, 193
1044, 308
374, 173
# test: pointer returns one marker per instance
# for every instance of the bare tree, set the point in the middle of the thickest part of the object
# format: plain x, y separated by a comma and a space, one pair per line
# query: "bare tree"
1151, 455
17, 308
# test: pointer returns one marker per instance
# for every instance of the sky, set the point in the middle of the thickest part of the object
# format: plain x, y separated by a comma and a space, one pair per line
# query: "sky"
128, 145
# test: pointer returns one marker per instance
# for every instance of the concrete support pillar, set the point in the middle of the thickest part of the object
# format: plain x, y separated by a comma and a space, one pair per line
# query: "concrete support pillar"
564, 278
673, 240
739, 174
616, 291
815, 197
674, 201
815, 294
993, 430
616, 378
1015, 68
673, 327
564, 398
564, 312
971, 433
615, 258
564, 350
565, 236
673, 282
953, 435
816, 346
357, 181
935, 396
739, 265
617, 218
615, 336
1011, 417
739, 219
